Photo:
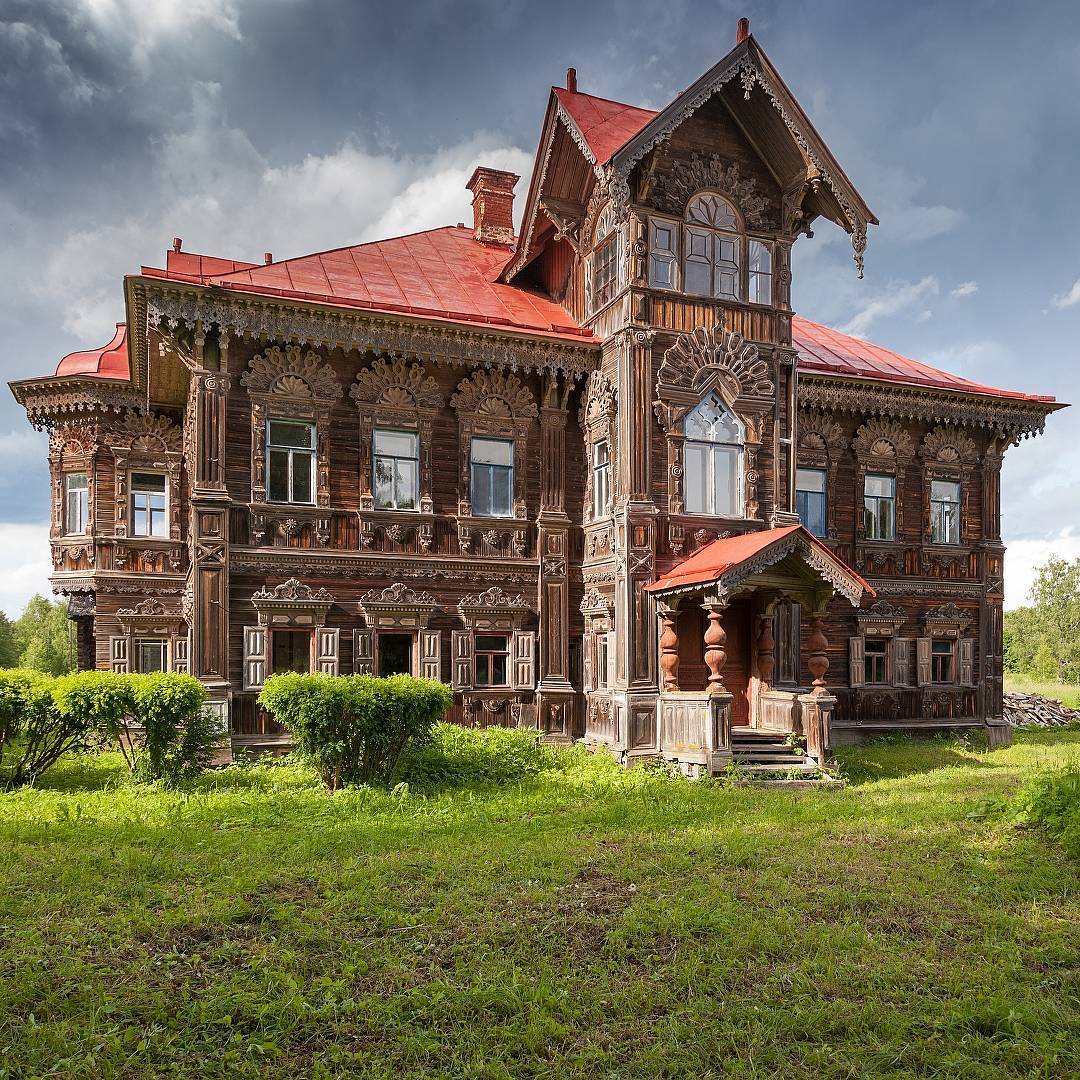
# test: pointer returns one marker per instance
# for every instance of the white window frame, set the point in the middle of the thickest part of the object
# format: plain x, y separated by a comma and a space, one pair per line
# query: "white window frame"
164, 646
488, 654
712, 451
601, 479
83, 503
878, 499
415, 459
294, 452
135, 491
509, 469
938, 519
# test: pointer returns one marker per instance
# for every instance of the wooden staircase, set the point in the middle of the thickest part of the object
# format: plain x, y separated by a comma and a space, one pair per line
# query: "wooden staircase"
766, 757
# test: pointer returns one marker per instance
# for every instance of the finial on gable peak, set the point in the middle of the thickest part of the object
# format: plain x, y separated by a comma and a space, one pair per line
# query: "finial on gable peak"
743, 32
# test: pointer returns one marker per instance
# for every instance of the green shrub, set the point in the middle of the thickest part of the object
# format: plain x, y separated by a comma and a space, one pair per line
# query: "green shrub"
354, 728
460, 757
1051, 800
102, 702
38, 733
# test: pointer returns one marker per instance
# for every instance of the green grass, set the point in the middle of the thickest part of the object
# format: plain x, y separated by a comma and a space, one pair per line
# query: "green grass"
580, 922
1069, 693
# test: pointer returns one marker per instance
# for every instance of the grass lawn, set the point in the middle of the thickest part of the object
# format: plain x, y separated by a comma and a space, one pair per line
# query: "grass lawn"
584, 923
1069, 693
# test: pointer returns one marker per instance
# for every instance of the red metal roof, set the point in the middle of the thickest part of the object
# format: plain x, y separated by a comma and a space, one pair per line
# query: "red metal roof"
829, 352
716, 559
606, 125
108, 362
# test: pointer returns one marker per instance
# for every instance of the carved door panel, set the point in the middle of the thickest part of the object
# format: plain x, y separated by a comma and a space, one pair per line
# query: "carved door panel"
736, 670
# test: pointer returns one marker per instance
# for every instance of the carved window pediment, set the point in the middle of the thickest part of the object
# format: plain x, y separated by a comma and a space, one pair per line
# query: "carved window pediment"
289, 372
948, 620
878, 442
881, 619
292, 603
398, 605
701, 173
396, 384
950, 447
493, 608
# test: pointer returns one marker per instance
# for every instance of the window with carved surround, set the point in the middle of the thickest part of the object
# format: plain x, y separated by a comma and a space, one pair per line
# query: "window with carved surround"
713, 383
604, 275
598, 610
883, 450
492, 406
76, 514
949, 455
290, 385
709, 253
821, 448
597, 419
148, 452
72, 454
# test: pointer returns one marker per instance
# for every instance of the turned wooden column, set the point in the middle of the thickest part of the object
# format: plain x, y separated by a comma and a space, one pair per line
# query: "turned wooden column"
669, 649
818, 659
715, 639
766, 656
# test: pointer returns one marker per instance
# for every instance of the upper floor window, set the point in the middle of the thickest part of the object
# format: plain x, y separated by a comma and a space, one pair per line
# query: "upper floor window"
879, 506
717, 258
492, 477
396, 467
290, 461
605, 272
712, 456
76, 503
810, 499
945, 512
149, 515
601, 477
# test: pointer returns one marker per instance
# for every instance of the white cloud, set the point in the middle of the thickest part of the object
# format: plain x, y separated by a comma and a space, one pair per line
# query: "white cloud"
21, 450
965, 288
1024, 557
33, 48
1068, 299
896, 298
26, 565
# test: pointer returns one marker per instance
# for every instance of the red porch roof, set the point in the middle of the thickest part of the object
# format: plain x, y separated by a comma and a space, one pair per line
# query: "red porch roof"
721, 556
606, 125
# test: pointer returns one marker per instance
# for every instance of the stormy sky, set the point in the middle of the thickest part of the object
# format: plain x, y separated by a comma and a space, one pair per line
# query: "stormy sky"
289, 126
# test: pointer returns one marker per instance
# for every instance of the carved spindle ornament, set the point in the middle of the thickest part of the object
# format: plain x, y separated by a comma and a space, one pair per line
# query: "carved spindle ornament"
818, 659
669, 650
715, 640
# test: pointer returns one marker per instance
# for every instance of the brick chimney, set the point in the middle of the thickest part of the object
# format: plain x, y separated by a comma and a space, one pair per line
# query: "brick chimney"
493, 205
743, 31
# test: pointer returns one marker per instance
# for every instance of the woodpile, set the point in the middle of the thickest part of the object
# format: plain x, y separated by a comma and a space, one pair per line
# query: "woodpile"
1033, 710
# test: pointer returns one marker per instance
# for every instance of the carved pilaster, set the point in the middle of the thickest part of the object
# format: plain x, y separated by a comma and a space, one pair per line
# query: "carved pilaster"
208, 475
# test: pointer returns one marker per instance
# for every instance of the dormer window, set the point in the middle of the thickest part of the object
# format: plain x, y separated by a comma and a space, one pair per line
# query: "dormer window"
713, 460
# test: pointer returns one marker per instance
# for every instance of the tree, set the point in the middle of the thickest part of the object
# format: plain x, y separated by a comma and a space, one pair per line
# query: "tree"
9, 643
43, 635
1055, 595
1021, 640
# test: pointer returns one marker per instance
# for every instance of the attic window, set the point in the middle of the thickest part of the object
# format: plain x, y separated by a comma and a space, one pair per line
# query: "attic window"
604, 275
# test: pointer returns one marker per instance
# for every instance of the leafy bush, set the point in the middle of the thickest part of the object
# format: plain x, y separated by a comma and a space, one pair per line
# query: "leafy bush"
1052, 801
157, 721
353, 728
37, 733
460, 757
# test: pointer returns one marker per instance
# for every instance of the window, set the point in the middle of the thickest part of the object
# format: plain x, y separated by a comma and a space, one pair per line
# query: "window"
759, 272
712, 248
148, 511
605, 272
810, 499
395, 654
601, 479
879, 507
944, 512
397, 458
662, 254
151, 656
713, 460
491, 657
492, 477
602, 659
942, 656
76, 503
291, 651
290, 461
875, 661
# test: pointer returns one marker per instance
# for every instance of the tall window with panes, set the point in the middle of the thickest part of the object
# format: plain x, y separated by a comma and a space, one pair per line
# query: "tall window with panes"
76, 503
290, 461
712, 460
601, 479
149, 505
491, 480
879, 506
810, 498
396, 456
491, 660
945, 511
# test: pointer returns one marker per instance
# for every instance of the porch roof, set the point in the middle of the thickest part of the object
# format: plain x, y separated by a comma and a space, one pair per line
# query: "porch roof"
730, 561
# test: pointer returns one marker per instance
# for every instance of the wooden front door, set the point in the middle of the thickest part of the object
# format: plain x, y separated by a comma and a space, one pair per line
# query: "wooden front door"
736, 670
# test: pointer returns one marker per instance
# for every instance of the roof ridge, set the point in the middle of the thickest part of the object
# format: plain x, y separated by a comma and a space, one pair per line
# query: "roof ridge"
610, 101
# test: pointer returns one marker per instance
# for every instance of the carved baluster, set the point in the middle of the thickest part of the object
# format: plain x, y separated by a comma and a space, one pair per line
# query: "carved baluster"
715, 639
818, 659
669, 649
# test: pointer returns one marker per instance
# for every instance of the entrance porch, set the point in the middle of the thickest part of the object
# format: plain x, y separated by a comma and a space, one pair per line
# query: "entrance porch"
718, 702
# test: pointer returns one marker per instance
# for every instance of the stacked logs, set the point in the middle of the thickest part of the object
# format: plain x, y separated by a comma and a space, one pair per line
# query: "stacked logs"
1032, 710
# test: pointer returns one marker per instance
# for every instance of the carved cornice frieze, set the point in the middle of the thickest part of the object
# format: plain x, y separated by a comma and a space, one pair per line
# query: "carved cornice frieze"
1011, 418
72, 401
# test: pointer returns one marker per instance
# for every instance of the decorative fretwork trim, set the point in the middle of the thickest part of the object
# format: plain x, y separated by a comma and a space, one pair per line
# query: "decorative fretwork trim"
290, 372
395, 384
674, 191
704, 359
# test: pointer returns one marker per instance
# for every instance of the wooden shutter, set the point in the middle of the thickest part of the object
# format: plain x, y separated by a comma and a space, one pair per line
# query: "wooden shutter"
326, 650
856, 661
256, 639
522, 648
901, 650
180, 656
431, 654
461, 643
363, 652
922, 648
966, 649
119, 655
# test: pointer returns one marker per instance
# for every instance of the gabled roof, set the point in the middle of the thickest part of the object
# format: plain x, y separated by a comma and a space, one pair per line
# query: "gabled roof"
729, 561
108, 362
605, 125
825, 351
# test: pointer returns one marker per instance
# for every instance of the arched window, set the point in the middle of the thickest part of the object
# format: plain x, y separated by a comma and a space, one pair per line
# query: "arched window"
603, 278
717, 259
713, 460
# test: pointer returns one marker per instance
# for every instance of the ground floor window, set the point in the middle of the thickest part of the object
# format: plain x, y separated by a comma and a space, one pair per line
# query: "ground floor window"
875, 662
395, 654
151, 655
942, 662
291, 651
603, 657
491, 659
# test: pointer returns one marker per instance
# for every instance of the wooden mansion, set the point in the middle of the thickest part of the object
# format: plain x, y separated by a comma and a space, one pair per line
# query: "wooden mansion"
597, 476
